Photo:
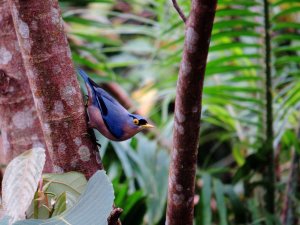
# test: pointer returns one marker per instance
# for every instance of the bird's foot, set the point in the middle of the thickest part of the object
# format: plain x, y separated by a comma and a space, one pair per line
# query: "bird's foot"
92, 135
86, 101
97, 143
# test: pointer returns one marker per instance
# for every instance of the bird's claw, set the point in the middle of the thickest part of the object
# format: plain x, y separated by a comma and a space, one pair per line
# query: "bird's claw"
86, 101
98, 144
91, 135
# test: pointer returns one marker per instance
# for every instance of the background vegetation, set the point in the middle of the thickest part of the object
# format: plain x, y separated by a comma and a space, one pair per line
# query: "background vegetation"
248, 164
138, 44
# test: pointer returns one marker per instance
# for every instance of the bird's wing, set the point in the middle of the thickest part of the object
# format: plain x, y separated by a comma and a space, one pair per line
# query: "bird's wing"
104, 94
113, 113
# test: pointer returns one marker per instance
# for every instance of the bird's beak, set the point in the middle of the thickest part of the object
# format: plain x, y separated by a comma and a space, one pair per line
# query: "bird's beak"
147, 126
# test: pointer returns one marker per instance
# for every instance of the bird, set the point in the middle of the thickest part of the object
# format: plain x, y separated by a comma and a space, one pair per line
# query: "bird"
108, 116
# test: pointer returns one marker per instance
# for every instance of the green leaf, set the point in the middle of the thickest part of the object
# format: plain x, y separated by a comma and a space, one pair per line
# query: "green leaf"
229, 69
93, 207
72, 182
226, 88
236, 12
120, 149
238, 207
150, 167
238, 2
152, 175
235, 23
285, 2
232, 45
287, 60
235, 34
134, 209
245, 78
288, 11
60, 204
219, 192
286, 37
238, 156
206, 214
231, 59
97, 38
286, 25
121, 193
82, 21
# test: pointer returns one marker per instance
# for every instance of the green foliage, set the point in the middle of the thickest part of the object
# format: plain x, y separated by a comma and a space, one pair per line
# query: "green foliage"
134, 204
138, 44
59, 192
93, 207
146, 165
206, 214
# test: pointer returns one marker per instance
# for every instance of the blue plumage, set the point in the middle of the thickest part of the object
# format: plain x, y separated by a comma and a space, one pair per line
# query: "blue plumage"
108, 116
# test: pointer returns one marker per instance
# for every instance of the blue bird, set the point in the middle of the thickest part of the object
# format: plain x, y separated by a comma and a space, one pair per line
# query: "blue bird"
108, 116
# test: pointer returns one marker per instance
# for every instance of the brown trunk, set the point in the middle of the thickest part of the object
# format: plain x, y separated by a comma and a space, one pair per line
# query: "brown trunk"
187, 113
20, 126
48, 63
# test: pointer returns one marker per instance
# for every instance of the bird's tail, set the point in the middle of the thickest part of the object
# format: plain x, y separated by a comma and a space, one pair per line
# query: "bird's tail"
89, 83
86, 78
83, 74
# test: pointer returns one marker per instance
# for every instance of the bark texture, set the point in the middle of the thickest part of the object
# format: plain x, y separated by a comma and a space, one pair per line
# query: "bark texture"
53, 81
188, 112
19, 123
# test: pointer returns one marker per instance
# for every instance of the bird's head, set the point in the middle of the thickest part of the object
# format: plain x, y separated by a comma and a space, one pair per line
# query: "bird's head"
138, 122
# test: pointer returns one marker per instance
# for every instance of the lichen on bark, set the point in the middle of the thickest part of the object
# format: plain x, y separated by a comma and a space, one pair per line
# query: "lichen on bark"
19, 123
188, 113
53, 82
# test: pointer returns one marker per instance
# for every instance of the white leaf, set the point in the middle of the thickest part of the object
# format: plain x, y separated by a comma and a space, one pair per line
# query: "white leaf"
93, 207
20, 182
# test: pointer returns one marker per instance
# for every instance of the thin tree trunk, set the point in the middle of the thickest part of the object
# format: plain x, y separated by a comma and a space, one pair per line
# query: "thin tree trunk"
269, 174
19, 123
48, 63
188, 112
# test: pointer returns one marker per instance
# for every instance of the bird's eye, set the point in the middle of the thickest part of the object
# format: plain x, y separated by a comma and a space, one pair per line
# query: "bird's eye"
136, 121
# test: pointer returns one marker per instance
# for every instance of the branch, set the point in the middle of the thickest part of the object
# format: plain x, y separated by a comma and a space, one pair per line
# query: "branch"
178, 9
54, 85
19, 123
114, 216
188, 113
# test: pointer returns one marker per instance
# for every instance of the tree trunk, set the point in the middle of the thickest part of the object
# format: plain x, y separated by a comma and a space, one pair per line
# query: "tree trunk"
48, 63
188, 112
19, 123
268, 150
